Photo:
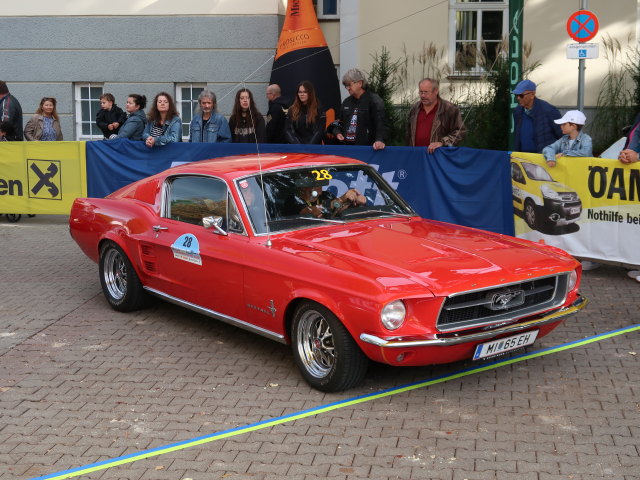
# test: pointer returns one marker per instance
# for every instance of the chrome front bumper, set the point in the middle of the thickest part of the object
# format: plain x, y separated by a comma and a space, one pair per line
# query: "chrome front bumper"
400, 342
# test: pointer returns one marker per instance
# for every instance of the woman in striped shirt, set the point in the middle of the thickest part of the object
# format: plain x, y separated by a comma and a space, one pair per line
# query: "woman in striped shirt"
164, 125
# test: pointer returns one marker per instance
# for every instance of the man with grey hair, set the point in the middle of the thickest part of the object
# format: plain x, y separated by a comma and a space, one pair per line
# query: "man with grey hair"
11, 110
433, 121
208, 125
361, 118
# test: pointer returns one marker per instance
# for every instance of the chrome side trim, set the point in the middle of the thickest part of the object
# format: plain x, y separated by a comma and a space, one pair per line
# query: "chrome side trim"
218, 316
397, 342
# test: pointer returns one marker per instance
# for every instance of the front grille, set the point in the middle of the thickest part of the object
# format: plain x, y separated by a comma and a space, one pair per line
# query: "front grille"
502, 303
569, 196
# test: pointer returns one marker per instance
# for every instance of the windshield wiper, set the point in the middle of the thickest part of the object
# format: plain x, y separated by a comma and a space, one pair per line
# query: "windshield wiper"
371, 210
317, 219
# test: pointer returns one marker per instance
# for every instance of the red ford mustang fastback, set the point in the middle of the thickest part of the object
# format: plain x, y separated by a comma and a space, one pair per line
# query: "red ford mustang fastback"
320, 252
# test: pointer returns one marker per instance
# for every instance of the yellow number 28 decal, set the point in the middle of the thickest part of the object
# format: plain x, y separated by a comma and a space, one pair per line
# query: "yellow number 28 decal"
322, 174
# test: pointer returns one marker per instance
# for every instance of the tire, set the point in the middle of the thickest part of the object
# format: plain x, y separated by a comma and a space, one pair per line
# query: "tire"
14, 217
120, 283
530, 214
324, 351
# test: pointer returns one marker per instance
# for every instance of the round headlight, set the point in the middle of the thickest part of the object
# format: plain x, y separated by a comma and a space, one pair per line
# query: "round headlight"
393, 315
573, 278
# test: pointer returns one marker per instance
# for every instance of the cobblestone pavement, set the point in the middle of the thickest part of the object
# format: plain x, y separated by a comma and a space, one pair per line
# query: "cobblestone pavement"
80, 383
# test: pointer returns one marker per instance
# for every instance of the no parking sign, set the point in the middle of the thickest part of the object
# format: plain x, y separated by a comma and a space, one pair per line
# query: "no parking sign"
582, 26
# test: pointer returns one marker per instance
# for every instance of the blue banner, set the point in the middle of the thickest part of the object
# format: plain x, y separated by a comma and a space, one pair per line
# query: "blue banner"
455, 184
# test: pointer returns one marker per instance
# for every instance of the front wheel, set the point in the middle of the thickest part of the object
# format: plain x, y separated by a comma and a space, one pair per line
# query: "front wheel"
531, 214
324, 351
120, 283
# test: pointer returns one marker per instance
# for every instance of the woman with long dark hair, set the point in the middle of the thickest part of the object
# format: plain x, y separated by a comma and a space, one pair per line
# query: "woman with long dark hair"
305, 121
246, 122
164, 125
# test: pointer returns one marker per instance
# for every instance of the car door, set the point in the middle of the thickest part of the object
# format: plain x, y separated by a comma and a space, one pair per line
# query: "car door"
196, 264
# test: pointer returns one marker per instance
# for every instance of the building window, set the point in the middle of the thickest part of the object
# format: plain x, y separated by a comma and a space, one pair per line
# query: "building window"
327, 9
87, 100
480, 26
186, 103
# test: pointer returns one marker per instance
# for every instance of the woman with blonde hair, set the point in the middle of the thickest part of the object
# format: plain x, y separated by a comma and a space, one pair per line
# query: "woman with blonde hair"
44, 126
305, 121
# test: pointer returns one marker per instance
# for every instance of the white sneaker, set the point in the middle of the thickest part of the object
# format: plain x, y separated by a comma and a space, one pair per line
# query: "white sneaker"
635, 274
587, 265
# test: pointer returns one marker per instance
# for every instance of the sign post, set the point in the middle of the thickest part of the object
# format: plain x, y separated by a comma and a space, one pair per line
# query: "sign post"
516, 8
582, 26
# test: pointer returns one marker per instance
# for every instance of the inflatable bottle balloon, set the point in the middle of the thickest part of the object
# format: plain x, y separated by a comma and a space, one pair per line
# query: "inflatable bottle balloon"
303, 54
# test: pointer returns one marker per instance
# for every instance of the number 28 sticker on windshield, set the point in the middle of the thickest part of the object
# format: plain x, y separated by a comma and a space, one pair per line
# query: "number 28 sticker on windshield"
322, 174
187, 248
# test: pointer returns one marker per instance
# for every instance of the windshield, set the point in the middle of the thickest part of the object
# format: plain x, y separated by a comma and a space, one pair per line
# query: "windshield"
536, 172
304, 197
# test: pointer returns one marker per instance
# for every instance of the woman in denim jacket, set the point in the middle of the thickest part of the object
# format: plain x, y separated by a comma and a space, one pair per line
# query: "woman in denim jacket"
164, 124
208, 125
133, 127
573, 143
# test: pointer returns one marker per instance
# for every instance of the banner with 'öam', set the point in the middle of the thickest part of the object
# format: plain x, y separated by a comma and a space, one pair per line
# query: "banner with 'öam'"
589, 207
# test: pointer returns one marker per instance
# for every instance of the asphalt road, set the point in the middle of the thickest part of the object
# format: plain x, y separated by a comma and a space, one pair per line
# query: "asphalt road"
80, 384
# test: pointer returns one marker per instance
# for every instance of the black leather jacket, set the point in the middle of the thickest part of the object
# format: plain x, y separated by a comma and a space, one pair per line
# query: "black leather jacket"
371, 124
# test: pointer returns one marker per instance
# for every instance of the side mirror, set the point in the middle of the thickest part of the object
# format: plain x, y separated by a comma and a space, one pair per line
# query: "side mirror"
214, 223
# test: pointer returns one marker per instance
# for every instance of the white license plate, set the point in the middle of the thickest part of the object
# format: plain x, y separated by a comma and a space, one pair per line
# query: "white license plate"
574, 210
496, 347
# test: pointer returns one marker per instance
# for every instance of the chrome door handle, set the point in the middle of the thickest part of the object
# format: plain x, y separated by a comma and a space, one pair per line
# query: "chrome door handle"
157, 228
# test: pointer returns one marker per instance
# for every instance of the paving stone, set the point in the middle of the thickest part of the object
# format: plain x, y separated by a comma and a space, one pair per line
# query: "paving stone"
80, 383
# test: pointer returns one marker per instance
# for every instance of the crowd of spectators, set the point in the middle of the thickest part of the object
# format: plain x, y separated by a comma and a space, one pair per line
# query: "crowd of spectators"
432, 122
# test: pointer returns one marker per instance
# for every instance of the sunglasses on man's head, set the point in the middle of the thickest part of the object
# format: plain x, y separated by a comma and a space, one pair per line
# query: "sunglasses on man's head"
522, 95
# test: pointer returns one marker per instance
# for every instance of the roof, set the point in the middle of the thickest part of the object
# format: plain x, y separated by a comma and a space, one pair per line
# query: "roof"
241, 165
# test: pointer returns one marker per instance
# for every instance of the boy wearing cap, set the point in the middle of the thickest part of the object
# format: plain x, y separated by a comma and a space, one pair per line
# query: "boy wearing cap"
533, 120
574, 143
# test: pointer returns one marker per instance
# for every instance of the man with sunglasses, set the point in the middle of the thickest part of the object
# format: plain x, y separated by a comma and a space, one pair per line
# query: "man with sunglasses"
534, 120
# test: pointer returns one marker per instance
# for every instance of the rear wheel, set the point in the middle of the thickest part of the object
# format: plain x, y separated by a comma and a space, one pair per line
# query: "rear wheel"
324, 351
120, 283
14, 217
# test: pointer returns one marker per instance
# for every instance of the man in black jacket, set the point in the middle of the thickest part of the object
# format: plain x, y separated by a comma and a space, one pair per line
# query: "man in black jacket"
10, 110
276, 115
361, 117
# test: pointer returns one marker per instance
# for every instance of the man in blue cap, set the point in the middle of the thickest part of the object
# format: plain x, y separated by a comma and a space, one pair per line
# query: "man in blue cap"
534, 120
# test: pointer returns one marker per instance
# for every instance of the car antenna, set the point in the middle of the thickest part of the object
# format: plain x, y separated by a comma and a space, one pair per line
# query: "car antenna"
255, 136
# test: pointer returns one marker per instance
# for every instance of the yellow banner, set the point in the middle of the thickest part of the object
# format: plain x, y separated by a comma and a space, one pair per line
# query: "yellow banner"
41, 177
589, 207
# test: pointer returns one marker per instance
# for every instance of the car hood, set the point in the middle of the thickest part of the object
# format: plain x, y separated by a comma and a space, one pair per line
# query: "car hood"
444, 258
558, 187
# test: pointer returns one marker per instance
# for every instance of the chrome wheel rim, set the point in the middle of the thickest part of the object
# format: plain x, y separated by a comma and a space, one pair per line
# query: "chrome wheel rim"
115, 274
315, 344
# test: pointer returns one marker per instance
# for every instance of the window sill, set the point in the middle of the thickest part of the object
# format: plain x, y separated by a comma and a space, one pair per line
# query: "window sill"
466, 76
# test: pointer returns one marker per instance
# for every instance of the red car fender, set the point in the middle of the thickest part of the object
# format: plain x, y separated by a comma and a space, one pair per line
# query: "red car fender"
342, 305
